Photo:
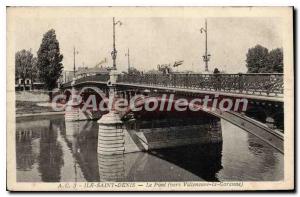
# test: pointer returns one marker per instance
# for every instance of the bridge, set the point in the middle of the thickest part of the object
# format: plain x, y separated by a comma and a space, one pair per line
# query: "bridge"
263, 92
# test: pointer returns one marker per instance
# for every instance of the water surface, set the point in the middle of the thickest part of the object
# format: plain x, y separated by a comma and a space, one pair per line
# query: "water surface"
50, 150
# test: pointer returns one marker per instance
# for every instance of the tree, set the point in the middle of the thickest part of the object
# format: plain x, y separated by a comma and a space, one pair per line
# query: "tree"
257, 59
34, 74
134, 71
275, 61
49, 60
23, 65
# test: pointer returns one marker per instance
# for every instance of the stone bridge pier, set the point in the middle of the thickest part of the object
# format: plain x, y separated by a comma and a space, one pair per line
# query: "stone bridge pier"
72, 111
111, 135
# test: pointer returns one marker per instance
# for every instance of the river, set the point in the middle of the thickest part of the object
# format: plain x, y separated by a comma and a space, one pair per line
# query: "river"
49, 151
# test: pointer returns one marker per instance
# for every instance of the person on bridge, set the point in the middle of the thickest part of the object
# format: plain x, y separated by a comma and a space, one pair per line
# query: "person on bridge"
217, 79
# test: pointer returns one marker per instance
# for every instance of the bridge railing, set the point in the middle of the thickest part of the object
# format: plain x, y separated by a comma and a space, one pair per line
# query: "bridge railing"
268, 84
91, 78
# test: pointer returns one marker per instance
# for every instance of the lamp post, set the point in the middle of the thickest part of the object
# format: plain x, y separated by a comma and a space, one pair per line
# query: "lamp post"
206, 56
114, 51
74, 53
111, 122
128, 59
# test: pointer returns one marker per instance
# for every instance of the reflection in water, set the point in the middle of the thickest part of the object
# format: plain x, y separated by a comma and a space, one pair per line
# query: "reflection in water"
81, 139
26, 157
51, 157
26, 141
52, 150
201, 160
245, 157
111, 168
268, 158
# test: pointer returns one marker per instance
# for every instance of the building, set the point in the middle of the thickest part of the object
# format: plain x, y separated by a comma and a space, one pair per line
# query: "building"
82, 72
66, 76
86, 71
28, 85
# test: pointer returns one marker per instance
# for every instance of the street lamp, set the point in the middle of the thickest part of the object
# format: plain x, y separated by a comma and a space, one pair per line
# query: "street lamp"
128, 59
74, 53
206, 56
114, 51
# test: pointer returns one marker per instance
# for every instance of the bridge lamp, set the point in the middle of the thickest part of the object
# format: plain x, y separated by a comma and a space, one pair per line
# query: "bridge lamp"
114, 51
114, 54
75, 52
206, 56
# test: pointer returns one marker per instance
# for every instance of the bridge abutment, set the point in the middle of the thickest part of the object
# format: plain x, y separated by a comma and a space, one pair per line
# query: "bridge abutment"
137, 138
110, 133
72, 109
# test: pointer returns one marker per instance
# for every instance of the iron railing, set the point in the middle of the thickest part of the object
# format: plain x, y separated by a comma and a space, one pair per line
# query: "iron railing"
269, 84
91, 78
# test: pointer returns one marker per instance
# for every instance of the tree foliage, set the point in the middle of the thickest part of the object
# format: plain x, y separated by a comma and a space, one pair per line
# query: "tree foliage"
275, 60
34, 73
260, 60
49, 60
134, 71
23, 65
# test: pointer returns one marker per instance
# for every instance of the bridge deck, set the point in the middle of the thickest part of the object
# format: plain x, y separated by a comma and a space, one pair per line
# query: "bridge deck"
258, 86
255, 95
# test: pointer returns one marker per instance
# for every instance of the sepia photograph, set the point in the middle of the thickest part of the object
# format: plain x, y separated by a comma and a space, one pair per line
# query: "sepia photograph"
150, 98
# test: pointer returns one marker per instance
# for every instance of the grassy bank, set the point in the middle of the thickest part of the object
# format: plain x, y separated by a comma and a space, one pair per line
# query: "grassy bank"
29, 107
27, 102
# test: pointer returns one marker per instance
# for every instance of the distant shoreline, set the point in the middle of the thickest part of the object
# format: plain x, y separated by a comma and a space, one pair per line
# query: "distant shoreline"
20, 116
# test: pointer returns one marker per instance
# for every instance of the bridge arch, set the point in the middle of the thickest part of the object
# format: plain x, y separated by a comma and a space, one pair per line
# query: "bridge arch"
258, 113
93, 94
273, 138
164, 110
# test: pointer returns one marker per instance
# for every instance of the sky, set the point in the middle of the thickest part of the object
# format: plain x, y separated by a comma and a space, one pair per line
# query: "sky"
151, 40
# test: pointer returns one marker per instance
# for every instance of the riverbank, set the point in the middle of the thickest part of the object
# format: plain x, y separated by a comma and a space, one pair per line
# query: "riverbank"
29, 103
29, 107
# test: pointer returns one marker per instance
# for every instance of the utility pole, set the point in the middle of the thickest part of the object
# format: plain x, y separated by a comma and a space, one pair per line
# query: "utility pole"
74, 53
128, 59
114, 52
206, 56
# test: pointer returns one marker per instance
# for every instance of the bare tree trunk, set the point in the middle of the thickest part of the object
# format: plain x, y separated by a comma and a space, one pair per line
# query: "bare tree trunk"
24, 86
31, 82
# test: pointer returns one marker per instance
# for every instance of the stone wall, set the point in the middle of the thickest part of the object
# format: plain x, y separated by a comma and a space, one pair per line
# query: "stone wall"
157, 138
